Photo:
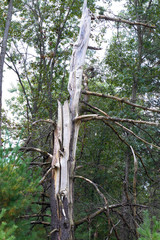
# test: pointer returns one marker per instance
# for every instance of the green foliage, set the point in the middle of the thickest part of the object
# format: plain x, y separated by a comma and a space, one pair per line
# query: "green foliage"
6, 233
18, 185
150, 228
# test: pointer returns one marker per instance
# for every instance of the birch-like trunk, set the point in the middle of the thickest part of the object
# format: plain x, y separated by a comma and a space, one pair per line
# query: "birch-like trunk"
2, 57
65, 141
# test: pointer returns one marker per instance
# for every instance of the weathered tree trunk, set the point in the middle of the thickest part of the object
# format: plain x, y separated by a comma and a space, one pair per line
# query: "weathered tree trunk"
2, 57
65, 141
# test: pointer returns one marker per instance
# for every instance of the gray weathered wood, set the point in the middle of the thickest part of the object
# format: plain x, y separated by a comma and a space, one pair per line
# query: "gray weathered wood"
65, 139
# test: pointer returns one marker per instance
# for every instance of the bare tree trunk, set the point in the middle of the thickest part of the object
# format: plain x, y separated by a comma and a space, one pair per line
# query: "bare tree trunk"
2, 57
65, 141
125, 199
140, 46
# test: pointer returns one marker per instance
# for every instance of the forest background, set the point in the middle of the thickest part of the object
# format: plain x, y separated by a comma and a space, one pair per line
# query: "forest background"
117, 158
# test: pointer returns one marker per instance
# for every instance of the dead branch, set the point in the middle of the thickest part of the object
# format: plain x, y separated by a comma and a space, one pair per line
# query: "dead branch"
90, 47
35, 215
41, 203
54, 230
141, 139
39, 163
44, 153
126, 204
126, 129
120, 20
45, 175
41, 222
89, 217
101, 195
122, 140
122, 100
44, 120
134, 180
101, 210
125, 221
113, 229
134, 186
94, 48
99, 117
101, 111
96, 187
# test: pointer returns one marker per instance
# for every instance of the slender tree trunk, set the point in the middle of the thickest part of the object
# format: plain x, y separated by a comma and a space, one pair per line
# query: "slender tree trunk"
65, 141
125, 198
2, 57
139, 59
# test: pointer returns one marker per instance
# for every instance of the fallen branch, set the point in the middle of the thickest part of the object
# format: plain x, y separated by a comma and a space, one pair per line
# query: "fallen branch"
122, 100
120, 20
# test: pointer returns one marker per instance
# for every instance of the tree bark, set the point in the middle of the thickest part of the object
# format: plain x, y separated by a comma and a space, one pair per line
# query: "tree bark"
65, 140
2, 57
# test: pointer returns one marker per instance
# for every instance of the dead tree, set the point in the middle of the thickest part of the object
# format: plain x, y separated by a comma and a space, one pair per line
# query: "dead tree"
65, 140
